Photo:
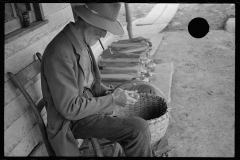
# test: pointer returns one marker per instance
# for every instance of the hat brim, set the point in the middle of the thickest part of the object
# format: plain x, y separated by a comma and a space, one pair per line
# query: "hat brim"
113, 27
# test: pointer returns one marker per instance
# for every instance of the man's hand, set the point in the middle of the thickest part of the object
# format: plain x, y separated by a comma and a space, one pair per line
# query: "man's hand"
109, 89
122, 98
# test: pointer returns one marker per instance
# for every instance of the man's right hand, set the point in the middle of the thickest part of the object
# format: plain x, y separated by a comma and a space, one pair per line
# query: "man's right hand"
122, 98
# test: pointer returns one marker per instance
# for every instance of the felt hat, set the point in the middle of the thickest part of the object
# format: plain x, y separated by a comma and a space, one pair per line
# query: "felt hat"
102, 15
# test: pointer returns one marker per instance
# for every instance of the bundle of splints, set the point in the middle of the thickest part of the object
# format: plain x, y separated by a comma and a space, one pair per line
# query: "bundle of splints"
128, 59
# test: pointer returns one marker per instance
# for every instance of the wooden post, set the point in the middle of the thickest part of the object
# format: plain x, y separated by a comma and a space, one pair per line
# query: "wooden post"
129, 21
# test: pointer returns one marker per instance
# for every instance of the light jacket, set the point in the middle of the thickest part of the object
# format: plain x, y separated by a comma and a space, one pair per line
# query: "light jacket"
62, 78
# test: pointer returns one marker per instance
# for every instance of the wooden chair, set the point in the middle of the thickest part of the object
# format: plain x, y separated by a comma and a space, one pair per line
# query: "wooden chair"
37, 108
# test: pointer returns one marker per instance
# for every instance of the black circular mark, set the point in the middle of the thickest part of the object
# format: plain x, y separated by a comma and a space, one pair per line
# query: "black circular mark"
198, 27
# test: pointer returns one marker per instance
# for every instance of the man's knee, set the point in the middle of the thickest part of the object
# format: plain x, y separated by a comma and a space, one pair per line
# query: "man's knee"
137, 123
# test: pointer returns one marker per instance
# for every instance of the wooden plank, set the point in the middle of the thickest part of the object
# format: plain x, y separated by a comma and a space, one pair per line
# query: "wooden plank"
18, 130
40, 151
17, 62
19, 106
153, 15
27, 55
50, 8
28, 143
27, 77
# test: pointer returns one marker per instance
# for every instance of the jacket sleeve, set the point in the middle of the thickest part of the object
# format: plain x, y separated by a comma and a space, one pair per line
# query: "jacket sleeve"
64, 89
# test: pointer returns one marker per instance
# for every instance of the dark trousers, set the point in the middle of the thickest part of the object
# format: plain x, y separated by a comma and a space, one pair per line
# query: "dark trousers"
132, 133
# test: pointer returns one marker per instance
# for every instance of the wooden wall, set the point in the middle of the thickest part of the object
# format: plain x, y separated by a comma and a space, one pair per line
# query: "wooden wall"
21, 134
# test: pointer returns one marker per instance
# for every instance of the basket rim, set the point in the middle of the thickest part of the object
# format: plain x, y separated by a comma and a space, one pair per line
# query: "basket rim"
155, 120
143, 82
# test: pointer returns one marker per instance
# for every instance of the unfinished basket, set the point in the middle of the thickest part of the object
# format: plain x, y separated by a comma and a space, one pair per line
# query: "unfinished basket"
152, 108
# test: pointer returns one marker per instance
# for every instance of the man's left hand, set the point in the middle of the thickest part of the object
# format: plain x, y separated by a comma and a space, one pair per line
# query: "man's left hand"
109, 90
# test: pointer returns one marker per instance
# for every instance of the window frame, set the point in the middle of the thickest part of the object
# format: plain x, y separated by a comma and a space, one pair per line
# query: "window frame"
16, 23
40, 21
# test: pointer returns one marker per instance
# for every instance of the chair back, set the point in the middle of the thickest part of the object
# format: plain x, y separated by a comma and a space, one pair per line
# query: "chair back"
36, 109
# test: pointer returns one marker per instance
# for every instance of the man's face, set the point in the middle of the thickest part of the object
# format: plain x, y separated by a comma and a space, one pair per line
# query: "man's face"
93, 34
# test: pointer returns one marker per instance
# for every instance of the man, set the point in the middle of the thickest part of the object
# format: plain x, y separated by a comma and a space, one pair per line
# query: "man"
68, 66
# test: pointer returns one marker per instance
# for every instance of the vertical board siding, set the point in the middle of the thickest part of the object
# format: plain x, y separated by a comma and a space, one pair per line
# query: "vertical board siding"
19, 106
21, 134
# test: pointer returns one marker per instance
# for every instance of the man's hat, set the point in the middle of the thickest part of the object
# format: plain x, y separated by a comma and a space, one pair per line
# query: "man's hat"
102, 15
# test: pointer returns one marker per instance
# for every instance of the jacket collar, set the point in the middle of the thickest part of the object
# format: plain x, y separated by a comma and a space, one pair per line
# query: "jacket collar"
76, 38
78, 43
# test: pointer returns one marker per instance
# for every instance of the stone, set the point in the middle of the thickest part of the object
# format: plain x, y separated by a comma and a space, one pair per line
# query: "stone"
230, 25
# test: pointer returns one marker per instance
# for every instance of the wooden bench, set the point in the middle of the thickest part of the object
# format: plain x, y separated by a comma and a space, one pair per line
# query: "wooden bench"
40, 106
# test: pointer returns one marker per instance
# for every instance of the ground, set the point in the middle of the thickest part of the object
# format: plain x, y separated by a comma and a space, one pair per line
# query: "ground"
203, 93
203, 83
203, 86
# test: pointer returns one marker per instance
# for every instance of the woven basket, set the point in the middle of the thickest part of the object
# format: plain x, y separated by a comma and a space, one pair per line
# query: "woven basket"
151, 107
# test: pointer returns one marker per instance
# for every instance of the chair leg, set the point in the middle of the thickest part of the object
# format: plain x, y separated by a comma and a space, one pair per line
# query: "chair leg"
96, 147
116, 150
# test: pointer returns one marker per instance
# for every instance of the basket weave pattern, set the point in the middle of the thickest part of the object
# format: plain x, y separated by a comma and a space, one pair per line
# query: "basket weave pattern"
152, 108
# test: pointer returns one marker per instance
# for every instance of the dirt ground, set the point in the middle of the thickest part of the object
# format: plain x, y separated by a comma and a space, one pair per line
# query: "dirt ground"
203, 86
